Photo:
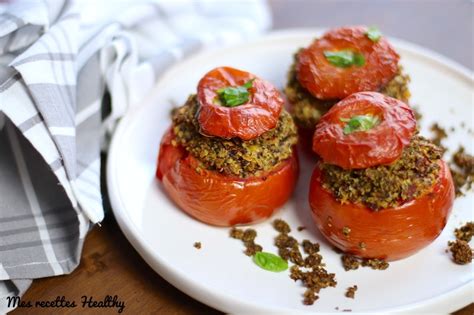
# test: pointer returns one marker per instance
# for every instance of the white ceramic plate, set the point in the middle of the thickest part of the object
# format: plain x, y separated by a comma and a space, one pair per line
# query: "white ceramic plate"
219, 274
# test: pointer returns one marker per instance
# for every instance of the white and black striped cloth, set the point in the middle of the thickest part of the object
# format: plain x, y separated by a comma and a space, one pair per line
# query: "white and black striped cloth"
57, 59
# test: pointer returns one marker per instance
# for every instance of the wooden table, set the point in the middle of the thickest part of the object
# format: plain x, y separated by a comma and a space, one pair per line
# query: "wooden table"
110, 266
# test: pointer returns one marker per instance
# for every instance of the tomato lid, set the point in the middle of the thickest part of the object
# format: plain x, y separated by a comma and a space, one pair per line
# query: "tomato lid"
235, 103
346, 60
365, 129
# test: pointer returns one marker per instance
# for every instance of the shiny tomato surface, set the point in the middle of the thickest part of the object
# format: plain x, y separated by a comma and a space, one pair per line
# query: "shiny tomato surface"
247, 121
390, 234
218, 199
382, 144
327, 81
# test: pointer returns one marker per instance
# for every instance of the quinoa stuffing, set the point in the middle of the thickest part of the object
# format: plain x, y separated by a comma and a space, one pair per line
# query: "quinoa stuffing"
465, 232
234, 156
350, 293
461, 251
197, 245
307, 110
384, 186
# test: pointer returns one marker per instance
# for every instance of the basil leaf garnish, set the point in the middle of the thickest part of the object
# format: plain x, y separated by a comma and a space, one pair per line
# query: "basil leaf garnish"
270, 262
344, 58
373, 34
235, 95
359, 123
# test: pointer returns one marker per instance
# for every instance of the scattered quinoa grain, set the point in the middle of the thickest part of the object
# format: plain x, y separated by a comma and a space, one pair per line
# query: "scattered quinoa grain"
249, 235
462, 170
313, 275
197, 245
310, 297
465, 232
461, 251
350, 262
376, 264
236, 233
439, 134
310, 247
346, 231
248, 238
350, 293
281, 226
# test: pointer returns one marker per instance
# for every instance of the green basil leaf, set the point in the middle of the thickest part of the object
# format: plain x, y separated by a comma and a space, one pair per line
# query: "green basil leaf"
234, 95
359, 59
344, 58
373, 34
270, 262
359, 123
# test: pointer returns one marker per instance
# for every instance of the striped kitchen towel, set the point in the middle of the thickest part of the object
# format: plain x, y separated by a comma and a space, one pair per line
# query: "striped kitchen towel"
58, 60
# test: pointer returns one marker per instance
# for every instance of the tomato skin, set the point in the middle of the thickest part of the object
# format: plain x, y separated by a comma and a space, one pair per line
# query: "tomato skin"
218, 199
326, 81
247, 121
382, 144
392, 233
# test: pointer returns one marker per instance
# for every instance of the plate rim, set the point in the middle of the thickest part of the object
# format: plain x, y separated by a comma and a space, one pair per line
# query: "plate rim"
454, 299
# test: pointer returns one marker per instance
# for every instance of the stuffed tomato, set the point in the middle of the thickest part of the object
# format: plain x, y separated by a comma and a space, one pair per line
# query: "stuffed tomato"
379, 190
342, 61
229, 157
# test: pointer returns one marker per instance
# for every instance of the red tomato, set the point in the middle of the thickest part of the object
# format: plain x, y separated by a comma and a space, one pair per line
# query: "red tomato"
382, 144
390, 234
326, 81
218, 199
247, 121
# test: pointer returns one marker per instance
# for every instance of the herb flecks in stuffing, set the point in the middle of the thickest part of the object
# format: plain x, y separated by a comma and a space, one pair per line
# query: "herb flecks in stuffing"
384, 186
234, 156
461, 251
350, 293
307, 110
465, 232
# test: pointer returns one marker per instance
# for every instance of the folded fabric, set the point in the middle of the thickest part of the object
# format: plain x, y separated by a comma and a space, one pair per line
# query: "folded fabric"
59, 60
